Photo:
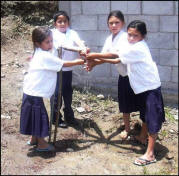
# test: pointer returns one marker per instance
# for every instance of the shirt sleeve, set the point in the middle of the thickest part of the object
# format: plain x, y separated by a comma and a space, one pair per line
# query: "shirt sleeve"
51, 62
105, 48
133, 54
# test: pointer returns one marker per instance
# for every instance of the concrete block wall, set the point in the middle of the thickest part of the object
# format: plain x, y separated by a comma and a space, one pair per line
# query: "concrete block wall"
89, 19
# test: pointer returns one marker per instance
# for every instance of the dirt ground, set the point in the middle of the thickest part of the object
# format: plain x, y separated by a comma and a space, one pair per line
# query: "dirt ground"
92, 147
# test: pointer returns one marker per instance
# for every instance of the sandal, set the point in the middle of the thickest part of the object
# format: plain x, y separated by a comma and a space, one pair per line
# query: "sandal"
31, 144
143, 162
124, 134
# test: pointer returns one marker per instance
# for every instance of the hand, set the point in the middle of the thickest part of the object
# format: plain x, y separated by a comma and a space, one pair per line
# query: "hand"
89, 65
29, 58
84, 52
91, 56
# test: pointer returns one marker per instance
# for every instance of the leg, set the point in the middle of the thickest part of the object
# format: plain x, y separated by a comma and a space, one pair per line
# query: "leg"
67, 93
142, 137
149, 156
124, 134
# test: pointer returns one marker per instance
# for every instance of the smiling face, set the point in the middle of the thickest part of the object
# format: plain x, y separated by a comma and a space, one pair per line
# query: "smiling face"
134, 35
115, 25
46, 44
62, 23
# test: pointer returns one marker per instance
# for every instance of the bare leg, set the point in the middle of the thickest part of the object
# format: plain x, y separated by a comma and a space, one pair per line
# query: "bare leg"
42, 143
149, 154
142, 138
124, 134
33, 140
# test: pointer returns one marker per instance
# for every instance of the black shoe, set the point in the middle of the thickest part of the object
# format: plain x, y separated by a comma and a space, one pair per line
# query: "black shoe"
61, 124
72, 121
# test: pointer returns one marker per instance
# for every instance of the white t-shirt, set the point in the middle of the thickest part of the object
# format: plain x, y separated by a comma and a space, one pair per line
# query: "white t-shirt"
117, 45
42, 74
142, 70
70, 39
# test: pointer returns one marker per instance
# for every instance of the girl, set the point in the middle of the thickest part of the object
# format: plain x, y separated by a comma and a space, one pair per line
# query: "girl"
40, 83
63, 35
115, 42
144, 79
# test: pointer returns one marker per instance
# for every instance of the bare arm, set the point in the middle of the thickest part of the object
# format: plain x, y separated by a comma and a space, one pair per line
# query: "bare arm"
101, 55
73, 62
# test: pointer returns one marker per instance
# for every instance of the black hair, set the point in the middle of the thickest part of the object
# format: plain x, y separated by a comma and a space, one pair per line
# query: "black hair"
117, 14
39, 34
139, 25
56, 15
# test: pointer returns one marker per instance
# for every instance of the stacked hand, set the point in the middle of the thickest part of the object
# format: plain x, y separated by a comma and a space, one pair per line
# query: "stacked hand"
89, 57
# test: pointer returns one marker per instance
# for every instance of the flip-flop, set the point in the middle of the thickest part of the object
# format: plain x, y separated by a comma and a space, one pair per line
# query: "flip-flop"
50, 148
31, 144
144, 162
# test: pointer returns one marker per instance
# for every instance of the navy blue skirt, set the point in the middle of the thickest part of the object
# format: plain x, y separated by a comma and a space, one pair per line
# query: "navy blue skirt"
34, 118
152, 109
126, 96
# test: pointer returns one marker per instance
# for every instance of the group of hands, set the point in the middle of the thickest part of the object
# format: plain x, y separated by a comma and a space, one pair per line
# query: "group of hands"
89, 59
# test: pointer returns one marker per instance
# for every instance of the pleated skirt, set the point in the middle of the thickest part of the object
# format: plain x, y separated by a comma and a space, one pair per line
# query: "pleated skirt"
33, 118
126, 96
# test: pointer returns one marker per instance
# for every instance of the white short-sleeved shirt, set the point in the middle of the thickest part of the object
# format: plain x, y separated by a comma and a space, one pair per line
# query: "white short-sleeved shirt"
70, 39
142, 70
42, 74
117, 45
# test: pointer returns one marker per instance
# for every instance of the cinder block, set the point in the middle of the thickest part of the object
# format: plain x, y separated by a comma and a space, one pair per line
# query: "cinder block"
155, 55
95, 7
76, 7
160, 40
114, 71
175, 74
176, 7
157, 8
94, 38
84, 22
127, 7
172, 23
65, 5
165, 73
169, 57
102, 22
152, 22
176, 40
102, 70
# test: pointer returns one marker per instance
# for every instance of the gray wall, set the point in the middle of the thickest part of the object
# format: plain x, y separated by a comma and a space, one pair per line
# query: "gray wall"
89, 19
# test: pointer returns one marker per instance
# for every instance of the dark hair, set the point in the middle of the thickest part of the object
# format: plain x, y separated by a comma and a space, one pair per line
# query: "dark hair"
117, 14
39, 34
56, 15
139, 25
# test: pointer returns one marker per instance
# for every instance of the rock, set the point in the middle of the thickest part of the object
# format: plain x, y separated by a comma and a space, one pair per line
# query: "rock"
69, 150
3, 76
80, 109
169, 156
5, 116
100, 96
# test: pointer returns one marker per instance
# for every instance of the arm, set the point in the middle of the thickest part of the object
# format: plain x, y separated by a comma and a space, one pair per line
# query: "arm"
101, 55
73, 62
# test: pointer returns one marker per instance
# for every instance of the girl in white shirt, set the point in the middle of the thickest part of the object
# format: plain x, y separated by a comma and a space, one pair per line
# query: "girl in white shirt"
144, 79
63, 35
113, 44
40, 83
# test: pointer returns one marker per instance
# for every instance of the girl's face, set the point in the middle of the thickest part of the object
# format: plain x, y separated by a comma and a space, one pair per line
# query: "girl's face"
46, 44
134, 35
62, 23
115, 25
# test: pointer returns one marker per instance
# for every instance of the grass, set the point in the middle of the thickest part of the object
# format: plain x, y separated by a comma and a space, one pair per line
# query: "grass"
169, 115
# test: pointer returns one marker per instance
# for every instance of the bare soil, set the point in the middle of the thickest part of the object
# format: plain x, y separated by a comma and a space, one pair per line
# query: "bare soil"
92, 147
